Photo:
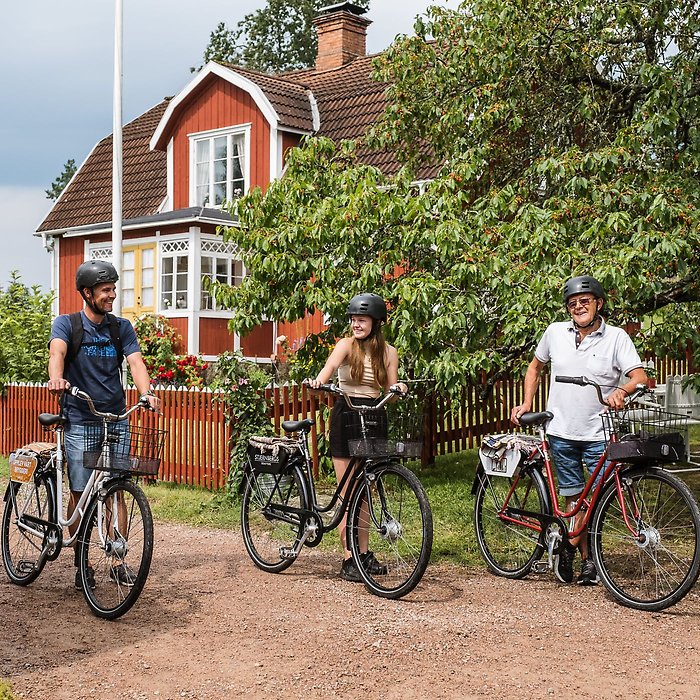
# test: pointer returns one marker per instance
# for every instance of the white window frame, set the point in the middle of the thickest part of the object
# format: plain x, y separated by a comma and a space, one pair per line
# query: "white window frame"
239, 130
218, 250
173, 249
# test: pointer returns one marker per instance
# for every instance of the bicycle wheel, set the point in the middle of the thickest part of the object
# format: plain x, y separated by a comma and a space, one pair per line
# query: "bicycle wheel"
116, 540
655, 569
510, 543
22, 549
391, 507
271, 531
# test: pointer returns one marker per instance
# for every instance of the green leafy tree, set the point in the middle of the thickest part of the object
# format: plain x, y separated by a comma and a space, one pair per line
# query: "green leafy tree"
60, 183
277, 37
568, 140
25, 328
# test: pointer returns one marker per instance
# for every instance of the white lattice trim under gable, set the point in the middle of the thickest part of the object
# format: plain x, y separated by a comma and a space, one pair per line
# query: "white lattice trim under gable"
219, 247
101, 253
181, 246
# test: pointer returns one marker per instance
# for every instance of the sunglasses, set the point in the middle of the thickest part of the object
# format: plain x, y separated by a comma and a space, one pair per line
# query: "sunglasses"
583, 301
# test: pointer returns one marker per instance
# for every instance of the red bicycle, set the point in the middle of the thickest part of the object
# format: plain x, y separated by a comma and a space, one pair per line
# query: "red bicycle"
643, 521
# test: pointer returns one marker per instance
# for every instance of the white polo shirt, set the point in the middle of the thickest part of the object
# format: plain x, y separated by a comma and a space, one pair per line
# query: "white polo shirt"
605, 356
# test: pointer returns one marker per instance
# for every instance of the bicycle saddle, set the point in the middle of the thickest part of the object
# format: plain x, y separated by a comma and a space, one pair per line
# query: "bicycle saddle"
536, 418
49, 419
295, 426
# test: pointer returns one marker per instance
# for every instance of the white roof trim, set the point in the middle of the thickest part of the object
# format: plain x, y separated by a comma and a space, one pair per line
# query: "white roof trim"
231, 76
315, 114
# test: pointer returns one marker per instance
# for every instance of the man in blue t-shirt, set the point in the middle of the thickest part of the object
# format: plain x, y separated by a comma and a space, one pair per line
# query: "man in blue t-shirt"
96, 370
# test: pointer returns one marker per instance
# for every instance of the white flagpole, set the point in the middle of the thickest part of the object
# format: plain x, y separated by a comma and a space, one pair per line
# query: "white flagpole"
117, 150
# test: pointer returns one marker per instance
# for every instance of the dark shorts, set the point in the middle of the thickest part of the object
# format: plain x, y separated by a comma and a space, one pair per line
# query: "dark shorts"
345, 425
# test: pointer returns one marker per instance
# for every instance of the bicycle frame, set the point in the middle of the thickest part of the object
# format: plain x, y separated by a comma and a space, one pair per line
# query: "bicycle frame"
593, 487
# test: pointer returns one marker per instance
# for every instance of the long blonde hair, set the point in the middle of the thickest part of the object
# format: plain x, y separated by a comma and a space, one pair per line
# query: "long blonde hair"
373, 346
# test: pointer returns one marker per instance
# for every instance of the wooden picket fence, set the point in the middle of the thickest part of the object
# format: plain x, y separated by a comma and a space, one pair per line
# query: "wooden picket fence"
198, 433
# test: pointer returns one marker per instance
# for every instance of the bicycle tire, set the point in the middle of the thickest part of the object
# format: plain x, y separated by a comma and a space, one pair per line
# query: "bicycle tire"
270, 535
510, 549
22, 550
106, 543
392, 506
657, 572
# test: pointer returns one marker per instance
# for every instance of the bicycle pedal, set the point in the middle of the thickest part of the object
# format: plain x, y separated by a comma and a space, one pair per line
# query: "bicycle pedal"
288, 553
540, 567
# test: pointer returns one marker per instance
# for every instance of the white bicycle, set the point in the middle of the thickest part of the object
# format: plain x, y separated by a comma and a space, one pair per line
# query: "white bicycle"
114, 535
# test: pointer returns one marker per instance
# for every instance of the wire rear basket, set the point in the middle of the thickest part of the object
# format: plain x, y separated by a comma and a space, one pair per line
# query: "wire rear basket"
393, 431
645, 433
133, 448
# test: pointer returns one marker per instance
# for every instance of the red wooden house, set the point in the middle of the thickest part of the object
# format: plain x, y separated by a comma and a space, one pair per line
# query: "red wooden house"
228, 130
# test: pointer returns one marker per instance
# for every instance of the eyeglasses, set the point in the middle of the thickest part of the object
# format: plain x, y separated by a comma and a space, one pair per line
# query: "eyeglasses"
583, 301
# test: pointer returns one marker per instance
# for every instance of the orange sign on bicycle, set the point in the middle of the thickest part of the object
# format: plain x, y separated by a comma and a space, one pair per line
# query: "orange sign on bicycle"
22, 467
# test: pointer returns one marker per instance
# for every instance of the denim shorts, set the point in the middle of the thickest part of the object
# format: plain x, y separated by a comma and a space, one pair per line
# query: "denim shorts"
74, 446
569, 457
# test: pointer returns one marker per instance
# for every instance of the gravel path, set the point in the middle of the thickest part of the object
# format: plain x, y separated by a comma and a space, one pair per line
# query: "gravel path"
209, 625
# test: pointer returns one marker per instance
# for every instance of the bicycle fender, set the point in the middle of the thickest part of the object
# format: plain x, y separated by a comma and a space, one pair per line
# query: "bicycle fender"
477, 478
7, 492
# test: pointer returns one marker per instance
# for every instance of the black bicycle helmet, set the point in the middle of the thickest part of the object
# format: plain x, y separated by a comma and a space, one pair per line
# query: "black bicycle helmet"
583, 285
93, 272
368, 305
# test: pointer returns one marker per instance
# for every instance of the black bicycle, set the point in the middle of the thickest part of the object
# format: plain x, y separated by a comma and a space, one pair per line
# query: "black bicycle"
281, 513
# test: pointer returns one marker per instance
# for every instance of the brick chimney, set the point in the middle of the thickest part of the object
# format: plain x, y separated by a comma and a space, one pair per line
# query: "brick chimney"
342, 34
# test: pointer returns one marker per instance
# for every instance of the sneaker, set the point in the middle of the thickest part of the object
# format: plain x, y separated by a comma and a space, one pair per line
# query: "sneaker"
564, 563
371, 565
350, 572
588, 575
90, 579
122, 574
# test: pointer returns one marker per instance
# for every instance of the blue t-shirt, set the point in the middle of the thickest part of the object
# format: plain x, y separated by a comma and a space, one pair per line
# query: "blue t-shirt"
95, 369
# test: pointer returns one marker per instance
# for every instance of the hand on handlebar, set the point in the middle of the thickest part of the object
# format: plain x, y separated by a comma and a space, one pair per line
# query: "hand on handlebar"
616, 400
58, 386
399, 388
150, 402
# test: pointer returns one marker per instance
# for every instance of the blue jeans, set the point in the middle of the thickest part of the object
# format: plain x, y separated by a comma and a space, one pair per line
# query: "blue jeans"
569, 457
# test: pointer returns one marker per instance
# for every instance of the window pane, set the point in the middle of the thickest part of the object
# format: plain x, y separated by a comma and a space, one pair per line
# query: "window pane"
237, 272
220, 171
181, 301
202, 151
182, 263
219, 147
167, 282
181, 284
222, 267
147, 257
219, 194
167, 266
206, 265
127, 298
147, 296
127, 279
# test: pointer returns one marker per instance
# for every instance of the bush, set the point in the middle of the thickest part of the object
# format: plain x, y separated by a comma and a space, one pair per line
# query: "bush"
243, 385
25, 329
158, 341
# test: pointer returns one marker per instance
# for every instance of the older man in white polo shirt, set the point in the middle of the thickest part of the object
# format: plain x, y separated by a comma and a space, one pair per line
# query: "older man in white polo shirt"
585, 345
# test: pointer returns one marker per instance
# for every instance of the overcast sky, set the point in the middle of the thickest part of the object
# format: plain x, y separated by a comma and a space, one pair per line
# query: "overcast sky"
56, 68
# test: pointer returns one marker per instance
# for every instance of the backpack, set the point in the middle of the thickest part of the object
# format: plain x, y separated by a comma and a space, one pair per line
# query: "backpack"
76, 338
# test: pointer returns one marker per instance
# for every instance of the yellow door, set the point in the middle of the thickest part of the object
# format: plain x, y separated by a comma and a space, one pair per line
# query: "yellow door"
138, 280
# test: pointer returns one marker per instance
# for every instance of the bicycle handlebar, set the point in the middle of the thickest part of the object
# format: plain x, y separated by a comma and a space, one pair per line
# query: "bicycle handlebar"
639, 390
334, 389
112, 417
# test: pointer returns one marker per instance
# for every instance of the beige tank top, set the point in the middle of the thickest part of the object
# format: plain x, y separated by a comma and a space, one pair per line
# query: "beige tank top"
367, 387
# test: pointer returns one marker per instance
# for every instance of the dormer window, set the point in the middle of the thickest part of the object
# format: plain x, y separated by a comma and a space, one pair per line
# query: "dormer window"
220, 166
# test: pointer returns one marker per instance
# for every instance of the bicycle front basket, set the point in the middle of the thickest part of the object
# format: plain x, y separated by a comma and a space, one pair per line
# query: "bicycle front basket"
643, 434
136, 449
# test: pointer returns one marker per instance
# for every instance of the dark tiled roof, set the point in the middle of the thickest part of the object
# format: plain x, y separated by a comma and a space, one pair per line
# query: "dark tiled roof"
88, 198
289, 99
349, 102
